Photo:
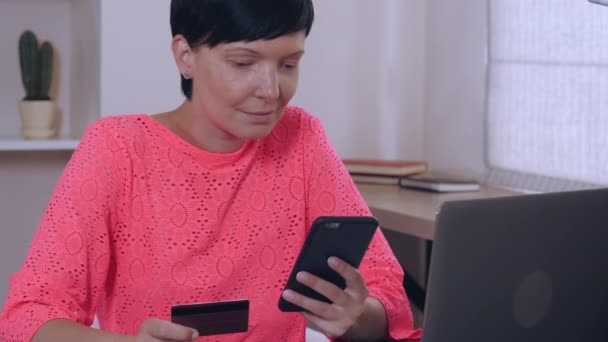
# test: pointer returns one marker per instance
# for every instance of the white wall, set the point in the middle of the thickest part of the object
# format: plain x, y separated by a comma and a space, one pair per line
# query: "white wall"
363, 75
455, 85
138, 74
85, 16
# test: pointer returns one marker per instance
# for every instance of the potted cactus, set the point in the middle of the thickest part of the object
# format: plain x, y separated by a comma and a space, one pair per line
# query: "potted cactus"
37, 110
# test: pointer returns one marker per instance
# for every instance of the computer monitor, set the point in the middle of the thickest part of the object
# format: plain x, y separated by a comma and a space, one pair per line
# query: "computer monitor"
527, 268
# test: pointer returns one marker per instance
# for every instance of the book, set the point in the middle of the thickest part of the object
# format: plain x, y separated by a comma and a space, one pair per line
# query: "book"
378, 167
439, 183
370, 179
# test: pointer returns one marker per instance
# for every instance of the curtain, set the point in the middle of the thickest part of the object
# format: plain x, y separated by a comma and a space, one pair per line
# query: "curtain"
547, 99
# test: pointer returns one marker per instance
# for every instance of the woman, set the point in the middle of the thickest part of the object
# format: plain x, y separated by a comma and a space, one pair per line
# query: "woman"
211, 201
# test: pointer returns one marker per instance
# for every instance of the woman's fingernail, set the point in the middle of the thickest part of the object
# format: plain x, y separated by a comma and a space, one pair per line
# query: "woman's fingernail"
333, 261
194, 335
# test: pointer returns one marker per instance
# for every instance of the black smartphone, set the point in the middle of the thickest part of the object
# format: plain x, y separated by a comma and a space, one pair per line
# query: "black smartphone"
345, 237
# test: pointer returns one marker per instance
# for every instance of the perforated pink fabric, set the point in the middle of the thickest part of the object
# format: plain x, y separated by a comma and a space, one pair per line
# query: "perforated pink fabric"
141, 220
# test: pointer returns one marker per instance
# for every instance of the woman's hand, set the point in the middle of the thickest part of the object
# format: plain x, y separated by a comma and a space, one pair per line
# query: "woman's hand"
348, 305
157, 330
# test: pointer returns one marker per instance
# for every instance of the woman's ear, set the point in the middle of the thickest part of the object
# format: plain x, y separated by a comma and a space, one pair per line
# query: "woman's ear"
183, 55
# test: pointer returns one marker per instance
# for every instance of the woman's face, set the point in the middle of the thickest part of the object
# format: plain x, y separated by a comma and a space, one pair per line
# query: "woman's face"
241, 89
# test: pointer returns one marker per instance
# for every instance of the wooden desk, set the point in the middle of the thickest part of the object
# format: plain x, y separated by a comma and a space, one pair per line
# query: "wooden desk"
413, 212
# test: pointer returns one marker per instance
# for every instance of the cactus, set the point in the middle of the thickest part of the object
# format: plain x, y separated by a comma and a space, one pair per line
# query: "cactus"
28, 46
46, 69
36, 66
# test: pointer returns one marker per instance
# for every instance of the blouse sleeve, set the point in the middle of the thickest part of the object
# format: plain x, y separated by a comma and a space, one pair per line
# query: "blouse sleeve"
331, 191
65, 269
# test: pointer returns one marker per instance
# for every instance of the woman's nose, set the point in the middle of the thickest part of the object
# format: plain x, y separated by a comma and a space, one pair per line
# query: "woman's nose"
268, 87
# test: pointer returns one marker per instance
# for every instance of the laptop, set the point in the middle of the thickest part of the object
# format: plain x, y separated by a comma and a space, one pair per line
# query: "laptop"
527, 268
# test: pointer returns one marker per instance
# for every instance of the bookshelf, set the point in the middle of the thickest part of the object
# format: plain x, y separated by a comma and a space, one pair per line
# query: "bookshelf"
17, 144
73, 27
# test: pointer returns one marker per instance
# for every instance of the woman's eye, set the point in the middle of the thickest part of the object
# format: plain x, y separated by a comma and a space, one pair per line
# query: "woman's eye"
242, 65
289, 66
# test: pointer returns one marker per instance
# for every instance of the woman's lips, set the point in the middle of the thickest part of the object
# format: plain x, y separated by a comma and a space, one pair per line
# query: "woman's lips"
259, 117
259, 113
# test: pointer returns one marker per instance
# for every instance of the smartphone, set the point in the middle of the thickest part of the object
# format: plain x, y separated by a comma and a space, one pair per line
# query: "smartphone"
345, 237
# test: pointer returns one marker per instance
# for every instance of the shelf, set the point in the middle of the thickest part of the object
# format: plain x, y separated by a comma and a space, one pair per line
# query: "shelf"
73, 27
7, 145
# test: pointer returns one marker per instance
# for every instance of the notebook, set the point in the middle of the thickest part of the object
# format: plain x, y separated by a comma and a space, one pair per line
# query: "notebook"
379, 167
439, 183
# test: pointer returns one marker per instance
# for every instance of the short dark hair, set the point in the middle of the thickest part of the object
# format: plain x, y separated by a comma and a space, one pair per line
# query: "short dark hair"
213, 22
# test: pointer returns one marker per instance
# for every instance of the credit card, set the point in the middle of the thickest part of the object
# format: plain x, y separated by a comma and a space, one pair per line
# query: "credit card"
213, 318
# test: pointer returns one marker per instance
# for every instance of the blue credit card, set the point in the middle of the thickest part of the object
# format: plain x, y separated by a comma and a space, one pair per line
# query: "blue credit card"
213, 318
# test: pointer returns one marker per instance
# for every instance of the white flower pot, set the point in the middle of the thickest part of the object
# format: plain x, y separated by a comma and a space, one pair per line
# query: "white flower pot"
38, 119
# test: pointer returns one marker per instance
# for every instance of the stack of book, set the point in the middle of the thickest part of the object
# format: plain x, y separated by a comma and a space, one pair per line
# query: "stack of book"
409, 174
383, 171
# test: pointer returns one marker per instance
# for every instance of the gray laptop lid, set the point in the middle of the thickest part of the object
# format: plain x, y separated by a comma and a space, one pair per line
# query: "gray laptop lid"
519, 269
